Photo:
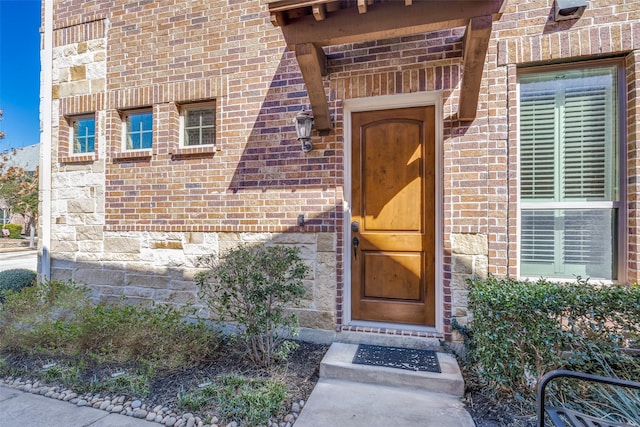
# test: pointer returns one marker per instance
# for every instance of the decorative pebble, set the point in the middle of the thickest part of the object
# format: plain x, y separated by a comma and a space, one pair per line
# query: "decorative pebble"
136, 404
139, 413
170, 421
82, 402
117, 408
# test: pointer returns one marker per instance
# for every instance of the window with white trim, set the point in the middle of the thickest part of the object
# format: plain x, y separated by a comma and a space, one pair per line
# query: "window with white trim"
83, 135
198, 124
569, 172
138, 130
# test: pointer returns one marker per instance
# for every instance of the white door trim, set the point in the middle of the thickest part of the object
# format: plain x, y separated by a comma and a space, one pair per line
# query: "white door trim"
420, 99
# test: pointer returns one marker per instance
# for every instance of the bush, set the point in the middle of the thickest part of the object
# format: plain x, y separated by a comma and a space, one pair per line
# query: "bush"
254, 286
15, 230
15, 279
521, 330
250, 401
58, 318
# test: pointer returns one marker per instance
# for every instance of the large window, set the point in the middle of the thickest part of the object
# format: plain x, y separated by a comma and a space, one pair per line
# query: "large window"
198, 124
569, 177
83, 135
138, 130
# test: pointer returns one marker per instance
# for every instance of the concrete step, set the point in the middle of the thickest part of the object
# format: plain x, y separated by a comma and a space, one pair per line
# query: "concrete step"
337, 364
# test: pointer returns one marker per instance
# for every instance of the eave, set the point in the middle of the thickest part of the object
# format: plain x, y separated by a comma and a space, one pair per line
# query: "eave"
309, 25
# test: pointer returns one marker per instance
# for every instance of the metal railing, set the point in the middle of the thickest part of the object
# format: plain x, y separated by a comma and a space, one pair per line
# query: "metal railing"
559, 415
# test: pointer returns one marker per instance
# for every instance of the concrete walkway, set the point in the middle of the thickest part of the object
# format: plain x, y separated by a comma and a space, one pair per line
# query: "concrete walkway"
352, 404
21, 409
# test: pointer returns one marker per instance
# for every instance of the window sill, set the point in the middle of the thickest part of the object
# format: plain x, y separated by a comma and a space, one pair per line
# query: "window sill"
133, 155
78, 158
197, 150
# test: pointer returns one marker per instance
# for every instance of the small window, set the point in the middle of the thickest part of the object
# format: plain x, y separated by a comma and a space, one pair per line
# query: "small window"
83, 135
198, 123
138, 130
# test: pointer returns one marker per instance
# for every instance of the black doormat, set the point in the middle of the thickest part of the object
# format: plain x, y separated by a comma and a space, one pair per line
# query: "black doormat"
396, 357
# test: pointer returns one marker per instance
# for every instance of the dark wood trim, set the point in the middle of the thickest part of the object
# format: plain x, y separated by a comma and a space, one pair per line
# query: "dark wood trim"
313, 65
382, 20
476, 41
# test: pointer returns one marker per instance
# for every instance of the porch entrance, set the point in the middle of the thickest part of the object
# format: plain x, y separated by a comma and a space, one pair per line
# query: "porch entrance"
393, 216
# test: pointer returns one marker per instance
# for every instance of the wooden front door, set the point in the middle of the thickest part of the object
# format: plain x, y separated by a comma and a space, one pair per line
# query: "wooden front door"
393, 216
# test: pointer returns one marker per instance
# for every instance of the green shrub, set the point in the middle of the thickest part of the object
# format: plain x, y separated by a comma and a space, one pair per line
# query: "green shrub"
254, 287
15, 230
15, 280
58, 318
521, 330
249, 401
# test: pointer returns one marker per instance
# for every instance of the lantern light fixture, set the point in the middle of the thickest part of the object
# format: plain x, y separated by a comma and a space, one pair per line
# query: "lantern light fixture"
304, 122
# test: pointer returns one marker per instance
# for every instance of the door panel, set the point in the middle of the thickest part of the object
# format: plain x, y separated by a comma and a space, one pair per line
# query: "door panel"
393, 191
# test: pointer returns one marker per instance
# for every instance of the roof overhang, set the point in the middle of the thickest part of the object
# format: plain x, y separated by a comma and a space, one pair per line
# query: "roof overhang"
309, 25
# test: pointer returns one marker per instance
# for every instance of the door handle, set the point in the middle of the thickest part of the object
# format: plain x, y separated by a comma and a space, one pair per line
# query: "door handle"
355, 242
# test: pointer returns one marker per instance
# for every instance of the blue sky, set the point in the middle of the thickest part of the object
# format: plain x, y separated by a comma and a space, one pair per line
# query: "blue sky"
19, 72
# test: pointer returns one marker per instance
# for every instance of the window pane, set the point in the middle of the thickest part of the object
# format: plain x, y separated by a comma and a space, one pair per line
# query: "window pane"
199, 126
569, 242
139, 131
568, 135
84, 135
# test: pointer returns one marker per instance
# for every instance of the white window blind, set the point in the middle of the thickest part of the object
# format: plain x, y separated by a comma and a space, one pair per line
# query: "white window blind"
568, 174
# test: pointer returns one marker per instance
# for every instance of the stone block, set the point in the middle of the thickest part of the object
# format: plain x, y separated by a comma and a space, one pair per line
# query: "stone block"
469, 244
137, 292
194, 238
58, 246
99, 276
316, 319
183, 285
80, 206
171, 244
130, 245
153, 281
459, 281
462, 264
61, 274
295, 238
326, 242
481, 267
175, 297
91, 232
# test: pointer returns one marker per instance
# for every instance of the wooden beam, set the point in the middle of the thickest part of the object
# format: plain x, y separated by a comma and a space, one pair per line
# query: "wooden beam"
408, 2
388, 19
313, 65
319, 12
362, 6
476, 41
278, 19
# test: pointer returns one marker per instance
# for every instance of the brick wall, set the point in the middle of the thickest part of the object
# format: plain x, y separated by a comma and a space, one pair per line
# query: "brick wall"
256, 182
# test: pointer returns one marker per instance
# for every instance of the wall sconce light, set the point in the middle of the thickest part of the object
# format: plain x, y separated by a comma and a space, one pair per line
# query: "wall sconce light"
569, 9
303, 122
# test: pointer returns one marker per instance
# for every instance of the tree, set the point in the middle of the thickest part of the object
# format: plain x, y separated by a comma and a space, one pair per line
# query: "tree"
19, 190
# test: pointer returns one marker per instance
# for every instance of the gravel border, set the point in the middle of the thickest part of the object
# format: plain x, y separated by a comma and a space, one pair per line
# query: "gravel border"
136, 408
